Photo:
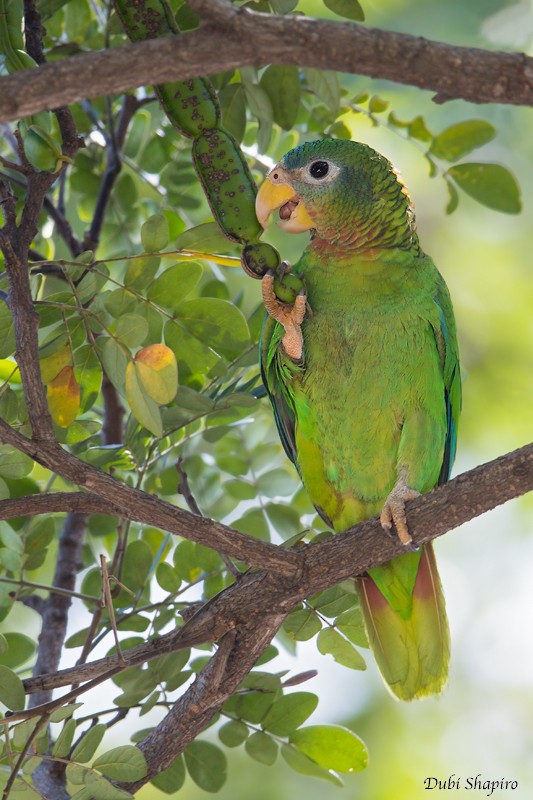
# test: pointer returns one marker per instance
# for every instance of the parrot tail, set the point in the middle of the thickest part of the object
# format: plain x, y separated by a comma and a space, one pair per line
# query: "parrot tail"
405, 619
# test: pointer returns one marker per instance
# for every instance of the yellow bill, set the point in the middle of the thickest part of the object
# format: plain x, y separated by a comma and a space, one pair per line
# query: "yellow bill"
275, 192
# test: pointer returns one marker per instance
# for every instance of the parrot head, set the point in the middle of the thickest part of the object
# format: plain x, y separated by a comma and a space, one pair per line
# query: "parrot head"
344, 192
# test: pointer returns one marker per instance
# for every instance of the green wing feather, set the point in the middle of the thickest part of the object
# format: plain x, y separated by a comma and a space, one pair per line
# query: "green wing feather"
275, 372
403, 602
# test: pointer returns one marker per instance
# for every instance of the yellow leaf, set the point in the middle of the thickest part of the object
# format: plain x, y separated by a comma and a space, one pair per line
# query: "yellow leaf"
158, 371
64, 397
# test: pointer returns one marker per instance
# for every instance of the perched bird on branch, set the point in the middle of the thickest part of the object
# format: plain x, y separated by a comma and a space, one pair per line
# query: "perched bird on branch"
363, 374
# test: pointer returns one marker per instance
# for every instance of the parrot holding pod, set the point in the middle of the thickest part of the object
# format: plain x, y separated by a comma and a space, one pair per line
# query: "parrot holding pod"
362, 372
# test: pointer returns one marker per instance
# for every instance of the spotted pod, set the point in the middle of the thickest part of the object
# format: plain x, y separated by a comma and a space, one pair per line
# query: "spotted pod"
258, 258
228, 184
191, 106
145, 19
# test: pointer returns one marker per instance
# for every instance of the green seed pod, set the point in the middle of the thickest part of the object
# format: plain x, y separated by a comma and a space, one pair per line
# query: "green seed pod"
191, 106
228, 184
288, 287
258, 258
145, 19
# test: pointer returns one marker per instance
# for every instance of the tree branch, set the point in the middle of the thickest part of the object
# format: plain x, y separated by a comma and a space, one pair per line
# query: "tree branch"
257, 595
238, 37
140, 506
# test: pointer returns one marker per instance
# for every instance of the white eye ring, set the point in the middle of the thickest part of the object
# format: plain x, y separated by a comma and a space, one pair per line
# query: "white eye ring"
320, 170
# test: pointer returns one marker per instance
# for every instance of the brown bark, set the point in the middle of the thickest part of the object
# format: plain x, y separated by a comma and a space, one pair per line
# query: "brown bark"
234, 37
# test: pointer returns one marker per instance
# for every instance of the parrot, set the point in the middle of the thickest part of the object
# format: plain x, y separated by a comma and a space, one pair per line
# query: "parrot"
363, 375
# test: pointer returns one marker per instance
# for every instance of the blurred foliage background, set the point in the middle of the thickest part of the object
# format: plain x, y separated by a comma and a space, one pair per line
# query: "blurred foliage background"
483, 723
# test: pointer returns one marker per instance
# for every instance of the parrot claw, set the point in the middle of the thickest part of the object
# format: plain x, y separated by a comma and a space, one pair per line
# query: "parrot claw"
289, 316
393, 511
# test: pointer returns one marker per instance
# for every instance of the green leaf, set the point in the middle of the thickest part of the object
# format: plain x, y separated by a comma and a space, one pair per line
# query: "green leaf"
331, 746
277, 482
453, 197
19, 649
143, 408
232, 101
254, 523
12, 692
13, 463
7, 331
333, 601
206, 764
125, 763
282, 84
233, 733
490, 184
325, 85
216, 323
114, 360
302, 625
167, 578
206, 238
283, 6
289, 712
331, 642
253, 706
88, 374
172, 778
64, 712
141, 271
458, 140
88, 744
377, 105
350, 623
261, 747
301, 763
131, 329
63, 742
92, 283
137, 565
171, 287
350, 9
154, 233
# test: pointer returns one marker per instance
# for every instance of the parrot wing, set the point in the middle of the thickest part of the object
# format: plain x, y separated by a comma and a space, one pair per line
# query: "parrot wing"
446, 342
275, 371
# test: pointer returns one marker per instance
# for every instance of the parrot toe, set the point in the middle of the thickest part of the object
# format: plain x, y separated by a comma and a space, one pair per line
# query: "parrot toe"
393, 511
289, 316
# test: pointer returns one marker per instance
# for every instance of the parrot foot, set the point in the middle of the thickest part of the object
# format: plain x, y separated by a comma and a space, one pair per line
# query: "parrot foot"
393, 511
289, 316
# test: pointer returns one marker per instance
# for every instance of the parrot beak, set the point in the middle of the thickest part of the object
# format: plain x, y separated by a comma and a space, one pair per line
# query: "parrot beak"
276, 192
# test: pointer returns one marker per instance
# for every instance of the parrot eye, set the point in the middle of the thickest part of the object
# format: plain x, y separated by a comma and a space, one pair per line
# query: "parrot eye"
319, 169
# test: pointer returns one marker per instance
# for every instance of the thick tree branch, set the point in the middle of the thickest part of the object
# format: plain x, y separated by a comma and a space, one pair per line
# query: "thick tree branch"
255, 595
238, 37
245, 617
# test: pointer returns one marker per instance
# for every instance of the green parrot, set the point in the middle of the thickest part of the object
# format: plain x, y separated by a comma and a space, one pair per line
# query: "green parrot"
363, 375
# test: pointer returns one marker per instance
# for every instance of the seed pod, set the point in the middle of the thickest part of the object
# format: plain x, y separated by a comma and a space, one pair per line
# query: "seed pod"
228, 184
145, 19
258, 258
192, 106
288, 287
